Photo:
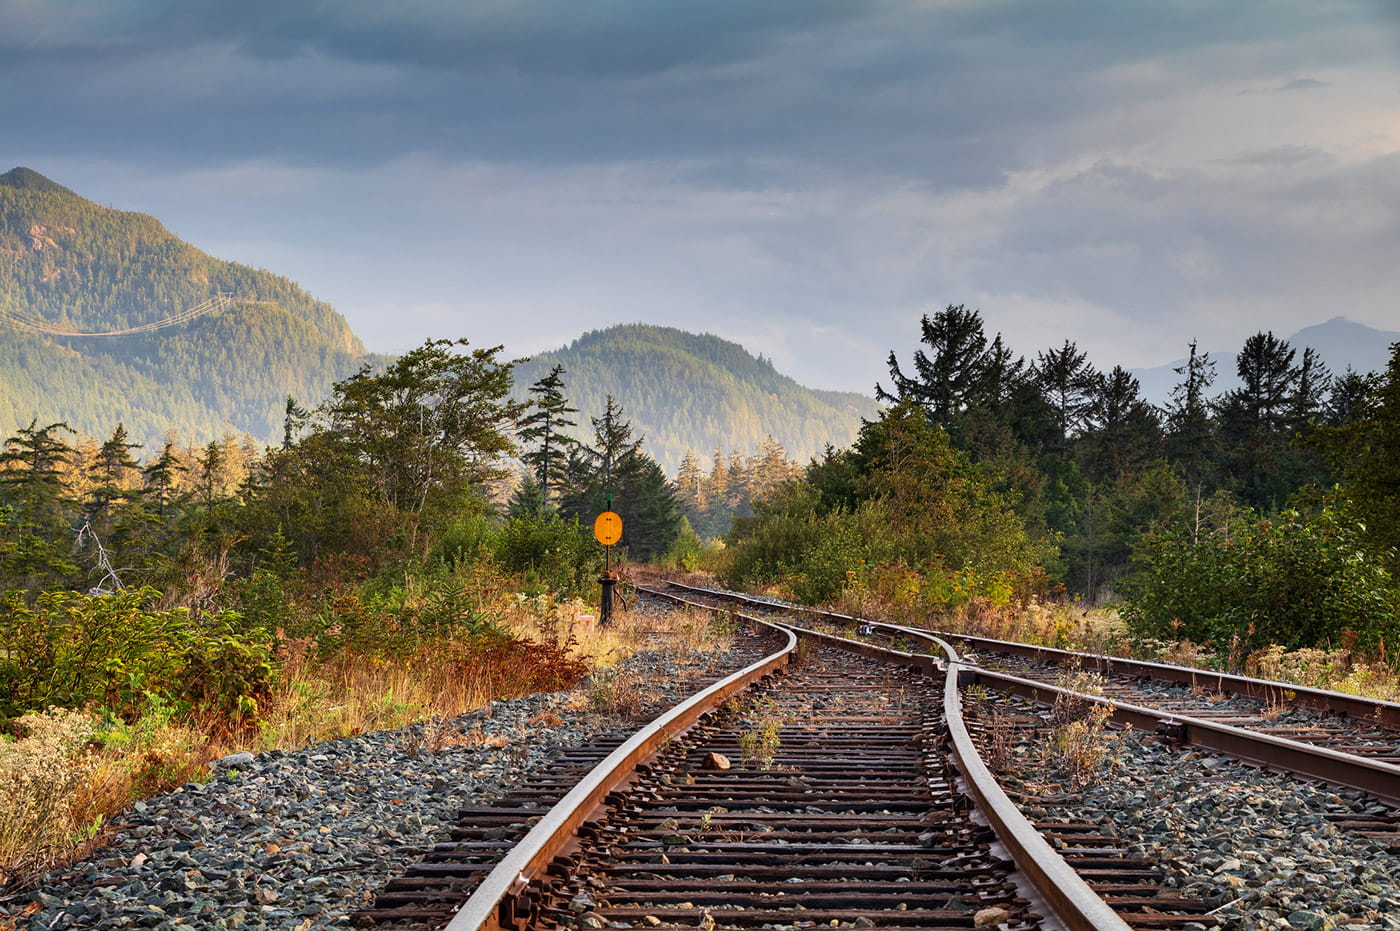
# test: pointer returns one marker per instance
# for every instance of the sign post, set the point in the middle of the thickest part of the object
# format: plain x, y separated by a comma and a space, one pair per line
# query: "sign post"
607, 529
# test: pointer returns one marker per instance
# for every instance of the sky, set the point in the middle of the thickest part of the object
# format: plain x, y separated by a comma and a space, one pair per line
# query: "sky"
805, 177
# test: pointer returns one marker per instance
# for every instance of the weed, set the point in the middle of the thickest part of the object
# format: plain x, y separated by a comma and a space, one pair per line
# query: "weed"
432, 736
615, 691
40, 775
759, 742
1081, 745
1078, 743
997, 730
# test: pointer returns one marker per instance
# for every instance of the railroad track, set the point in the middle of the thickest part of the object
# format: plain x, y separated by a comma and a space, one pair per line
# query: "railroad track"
838, 789
1349, 741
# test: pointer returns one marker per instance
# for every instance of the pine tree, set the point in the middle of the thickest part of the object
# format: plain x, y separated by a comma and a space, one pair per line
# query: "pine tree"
1260, 405
690, 491
614, 472
35, 525
951, 379
1313, 384
1121, 429
543, 431
161, 478
528, 500
1372, 476
1190, 432
1067, 380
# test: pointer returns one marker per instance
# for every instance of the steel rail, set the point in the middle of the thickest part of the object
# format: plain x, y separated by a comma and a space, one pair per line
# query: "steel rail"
1376, 777
1057, 883
1336, 767
1375, 710
495, 903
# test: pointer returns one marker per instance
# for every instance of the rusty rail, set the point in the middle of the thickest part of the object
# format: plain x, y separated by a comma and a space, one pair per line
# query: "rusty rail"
1056, 883
494, 904
1378, 711
1345, 769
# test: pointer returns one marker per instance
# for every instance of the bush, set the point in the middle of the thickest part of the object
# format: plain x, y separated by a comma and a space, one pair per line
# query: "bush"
116, 652
39, 777
1302, 580
550, 553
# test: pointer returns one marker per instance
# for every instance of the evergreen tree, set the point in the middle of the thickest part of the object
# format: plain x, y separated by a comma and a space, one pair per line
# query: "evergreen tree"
1259, 407
614, 472
1067, 381
1312, 386
528, 500
1262, 467
211, 472
115, 472
543, 430
1121, 429
1352, 398
31, 475
294, 420
1190, 434
1371, 477
953, 374
690, 491
161, 478
35, 524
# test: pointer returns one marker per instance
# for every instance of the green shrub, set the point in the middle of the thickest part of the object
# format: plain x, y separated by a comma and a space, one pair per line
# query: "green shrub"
1301, 580
549, 553
116, 651
464, 542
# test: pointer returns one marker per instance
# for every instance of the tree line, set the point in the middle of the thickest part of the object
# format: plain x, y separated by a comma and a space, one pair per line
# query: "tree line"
1218, 515
384, 473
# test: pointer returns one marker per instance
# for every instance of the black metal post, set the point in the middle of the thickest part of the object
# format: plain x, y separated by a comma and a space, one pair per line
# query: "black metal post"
605, 614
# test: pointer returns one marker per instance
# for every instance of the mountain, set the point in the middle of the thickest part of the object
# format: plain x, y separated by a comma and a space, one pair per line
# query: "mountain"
1339, 341
696, 391
209, 347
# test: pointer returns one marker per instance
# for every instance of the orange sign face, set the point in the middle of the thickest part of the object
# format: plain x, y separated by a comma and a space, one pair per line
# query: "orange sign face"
607, 527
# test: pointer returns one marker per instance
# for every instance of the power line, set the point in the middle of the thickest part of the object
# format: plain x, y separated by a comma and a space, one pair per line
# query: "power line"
16, 320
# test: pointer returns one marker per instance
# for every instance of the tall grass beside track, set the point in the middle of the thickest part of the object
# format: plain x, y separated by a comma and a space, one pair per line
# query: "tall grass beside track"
66, 773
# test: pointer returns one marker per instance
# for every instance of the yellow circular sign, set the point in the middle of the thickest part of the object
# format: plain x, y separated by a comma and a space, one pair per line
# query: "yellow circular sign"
607, 527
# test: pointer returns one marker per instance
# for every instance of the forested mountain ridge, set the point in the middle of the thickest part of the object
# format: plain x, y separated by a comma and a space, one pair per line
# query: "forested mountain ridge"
698, 392
69, 263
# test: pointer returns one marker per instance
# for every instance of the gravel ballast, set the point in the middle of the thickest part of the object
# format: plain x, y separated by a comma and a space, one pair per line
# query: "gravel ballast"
1261, 847
300, 840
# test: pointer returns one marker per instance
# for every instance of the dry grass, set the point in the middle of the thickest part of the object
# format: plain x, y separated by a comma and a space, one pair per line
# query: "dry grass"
70, 773
41, 777
1099, 630
1078, 740
617, 692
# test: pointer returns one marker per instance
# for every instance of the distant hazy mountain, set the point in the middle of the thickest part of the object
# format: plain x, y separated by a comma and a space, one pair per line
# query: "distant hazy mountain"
1339, 341
67, 263
688, 391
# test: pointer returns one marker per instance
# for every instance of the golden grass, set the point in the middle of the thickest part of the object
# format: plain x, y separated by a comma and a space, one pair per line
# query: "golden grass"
70, 773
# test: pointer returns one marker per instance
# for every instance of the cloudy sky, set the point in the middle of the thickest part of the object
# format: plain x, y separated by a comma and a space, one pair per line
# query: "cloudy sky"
806, 177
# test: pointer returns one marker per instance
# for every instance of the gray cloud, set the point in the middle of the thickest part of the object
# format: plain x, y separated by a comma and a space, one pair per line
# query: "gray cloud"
806, 176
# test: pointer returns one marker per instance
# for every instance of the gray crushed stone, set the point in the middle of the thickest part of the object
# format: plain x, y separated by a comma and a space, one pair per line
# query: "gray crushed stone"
1258, 845
300, 840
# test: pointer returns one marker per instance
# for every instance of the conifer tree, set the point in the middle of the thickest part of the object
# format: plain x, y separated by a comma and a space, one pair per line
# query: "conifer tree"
543, 432
161, 478
1067, 380
1190, 432
614, 472
1372, 476
1121, 429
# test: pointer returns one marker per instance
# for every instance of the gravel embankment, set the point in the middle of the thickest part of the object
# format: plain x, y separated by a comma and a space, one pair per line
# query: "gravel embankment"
1258, 845
300, 840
